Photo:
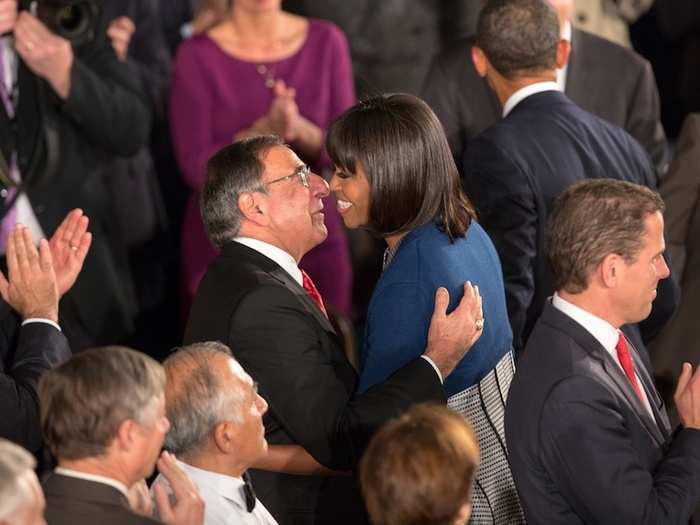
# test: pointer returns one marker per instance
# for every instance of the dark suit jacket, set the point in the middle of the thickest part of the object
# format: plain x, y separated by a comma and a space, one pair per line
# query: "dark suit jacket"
104, 116
73, 501
604, 78
25, 354
582, 447
680, 188
284, 342
515, 170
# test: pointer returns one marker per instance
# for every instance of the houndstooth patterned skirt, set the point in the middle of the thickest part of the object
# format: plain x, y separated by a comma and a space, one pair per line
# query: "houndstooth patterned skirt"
494, 498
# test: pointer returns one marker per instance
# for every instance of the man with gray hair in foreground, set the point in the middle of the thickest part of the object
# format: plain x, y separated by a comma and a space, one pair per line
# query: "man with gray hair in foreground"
21, 499
103, 417
216, 430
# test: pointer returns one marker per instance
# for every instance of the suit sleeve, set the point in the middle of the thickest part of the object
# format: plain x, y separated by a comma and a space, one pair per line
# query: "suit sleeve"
644, 118
438, 91
397, 331
39, 348
507, 210
106, 101
587, 451
300, 379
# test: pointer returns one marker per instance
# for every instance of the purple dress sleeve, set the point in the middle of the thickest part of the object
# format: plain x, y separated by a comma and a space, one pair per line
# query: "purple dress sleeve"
191, 108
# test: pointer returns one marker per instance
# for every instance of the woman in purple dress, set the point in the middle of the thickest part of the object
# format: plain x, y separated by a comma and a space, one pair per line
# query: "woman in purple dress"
261, 70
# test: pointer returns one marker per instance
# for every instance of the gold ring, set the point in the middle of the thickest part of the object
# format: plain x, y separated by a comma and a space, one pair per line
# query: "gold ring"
75, 249
479, 324
30, 46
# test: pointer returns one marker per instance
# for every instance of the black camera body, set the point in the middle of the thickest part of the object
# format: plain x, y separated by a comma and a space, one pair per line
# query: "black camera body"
75, 20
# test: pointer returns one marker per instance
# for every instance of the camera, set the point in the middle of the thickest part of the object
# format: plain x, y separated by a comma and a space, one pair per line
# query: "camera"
75, 20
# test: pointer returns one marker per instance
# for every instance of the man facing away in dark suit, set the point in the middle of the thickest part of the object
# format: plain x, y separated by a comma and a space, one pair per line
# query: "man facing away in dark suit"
103, 417
587, 432
31, 340
610, 81
515, 169
262, 208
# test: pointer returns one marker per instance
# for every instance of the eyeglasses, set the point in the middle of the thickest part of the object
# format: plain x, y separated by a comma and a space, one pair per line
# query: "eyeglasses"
302, 172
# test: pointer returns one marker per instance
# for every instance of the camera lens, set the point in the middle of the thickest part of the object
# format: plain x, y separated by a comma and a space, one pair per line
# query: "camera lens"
71, 19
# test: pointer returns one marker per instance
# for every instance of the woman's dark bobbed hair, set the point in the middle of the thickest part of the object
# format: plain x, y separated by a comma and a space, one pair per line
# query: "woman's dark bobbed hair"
401, 145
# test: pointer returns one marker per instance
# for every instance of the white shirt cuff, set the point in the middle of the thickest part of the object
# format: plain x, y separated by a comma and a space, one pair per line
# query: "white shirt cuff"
437, 370
47, 321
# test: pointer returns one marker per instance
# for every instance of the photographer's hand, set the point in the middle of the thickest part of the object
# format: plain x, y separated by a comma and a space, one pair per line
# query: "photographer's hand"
8, 16
119, 32
45, 53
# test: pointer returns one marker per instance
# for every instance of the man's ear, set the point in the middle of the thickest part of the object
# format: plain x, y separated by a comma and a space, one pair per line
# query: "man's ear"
480, 61
223, 437
609, 270
253, 207
563, 52
124, 439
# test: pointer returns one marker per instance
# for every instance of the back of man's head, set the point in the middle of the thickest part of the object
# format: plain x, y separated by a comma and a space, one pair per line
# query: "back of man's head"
592, 219
198, 396
21, 499
419, 469
519, 37
86, 399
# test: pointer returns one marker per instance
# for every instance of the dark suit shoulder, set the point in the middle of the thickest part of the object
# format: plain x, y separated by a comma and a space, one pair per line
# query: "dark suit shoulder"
606, 52
71, 501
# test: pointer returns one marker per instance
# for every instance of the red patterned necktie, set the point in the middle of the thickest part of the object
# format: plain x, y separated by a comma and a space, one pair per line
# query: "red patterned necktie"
312, 291
623, 354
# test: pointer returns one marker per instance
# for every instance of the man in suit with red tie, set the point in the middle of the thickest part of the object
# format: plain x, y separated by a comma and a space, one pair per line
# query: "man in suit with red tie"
588, 434
262, 207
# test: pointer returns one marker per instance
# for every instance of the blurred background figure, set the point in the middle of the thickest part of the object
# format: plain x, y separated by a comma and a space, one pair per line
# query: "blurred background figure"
261, 70
395, 176
420, 468
609, 19
21, 499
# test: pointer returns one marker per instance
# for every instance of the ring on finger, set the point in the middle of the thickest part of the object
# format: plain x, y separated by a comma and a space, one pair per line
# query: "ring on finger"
479, 324
74, 248
29, 46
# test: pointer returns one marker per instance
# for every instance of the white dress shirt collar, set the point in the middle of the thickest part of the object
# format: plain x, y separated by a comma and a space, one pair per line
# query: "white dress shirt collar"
529, 90
95, 478
224, 500
605, 333
284, 259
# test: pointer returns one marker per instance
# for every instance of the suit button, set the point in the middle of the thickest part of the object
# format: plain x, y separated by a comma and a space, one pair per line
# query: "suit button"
3, 193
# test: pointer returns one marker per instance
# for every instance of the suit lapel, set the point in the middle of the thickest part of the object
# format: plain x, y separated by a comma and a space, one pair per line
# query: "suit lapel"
274, 270
609, 372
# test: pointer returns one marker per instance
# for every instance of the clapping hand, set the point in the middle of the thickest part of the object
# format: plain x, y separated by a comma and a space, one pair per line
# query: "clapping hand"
31, 289
69, 246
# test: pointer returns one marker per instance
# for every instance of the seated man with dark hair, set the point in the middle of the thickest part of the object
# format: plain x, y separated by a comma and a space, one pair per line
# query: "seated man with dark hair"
420, 468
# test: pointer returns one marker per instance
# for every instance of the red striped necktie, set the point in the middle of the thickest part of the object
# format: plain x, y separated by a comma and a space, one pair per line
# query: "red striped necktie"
312, 291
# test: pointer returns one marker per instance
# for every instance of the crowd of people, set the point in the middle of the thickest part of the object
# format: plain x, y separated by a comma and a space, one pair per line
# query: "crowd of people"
502, 373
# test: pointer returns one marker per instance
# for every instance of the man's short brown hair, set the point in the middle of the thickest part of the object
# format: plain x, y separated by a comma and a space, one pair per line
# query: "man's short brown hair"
84, 400
419, 468
592, 219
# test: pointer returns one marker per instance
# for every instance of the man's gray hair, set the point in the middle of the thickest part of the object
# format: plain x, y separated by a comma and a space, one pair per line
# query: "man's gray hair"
195, 398
15, 463
519, 37
84, 400
235, 169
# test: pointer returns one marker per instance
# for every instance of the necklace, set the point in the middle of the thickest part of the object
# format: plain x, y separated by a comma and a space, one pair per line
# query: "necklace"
268, 74
389, 254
